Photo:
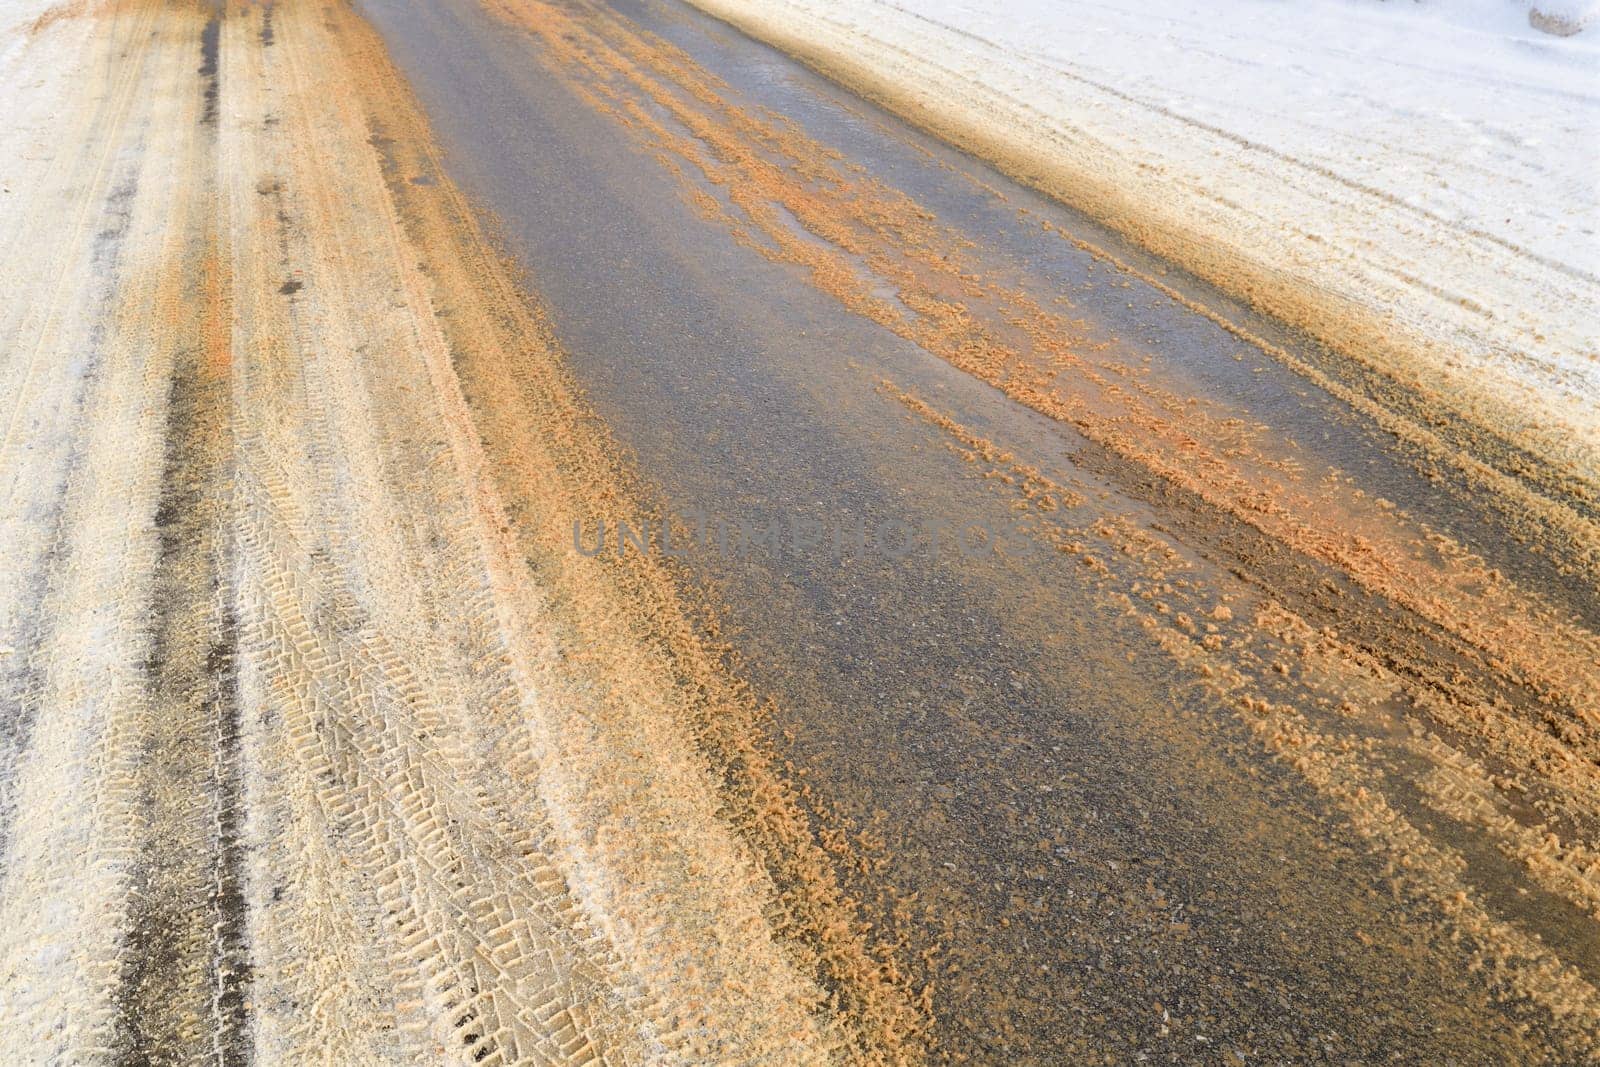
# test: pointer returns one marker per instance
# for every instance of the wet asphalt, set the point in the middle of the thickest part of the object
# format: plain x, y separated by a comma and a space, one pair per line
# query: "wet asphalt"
1108, 865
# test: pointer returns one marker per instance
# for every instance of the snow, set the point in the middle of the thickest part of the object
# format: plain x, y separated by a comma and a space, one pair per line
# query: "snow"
1431, 168
1563, 17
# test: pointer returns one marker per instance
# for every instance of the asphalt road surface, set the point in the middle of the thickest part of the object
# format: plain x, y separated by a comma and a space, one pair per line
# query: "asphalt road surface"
1107, 859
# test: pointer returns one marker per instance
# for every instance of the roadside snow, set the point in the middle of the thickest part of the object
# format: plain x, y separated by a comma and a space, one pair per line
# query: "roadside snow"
1419, 183
1563, 17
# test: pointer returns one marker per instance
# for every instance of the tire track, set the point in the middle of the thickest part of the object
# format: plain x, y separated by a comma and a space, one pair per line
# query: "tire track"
69, 316
356, 802
24, 676
76, 824
184, 971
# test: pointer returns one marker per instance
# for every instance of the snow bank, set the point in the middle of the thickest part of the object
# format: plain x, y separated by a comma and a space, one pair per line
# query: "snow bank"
1414, 182
1563, 17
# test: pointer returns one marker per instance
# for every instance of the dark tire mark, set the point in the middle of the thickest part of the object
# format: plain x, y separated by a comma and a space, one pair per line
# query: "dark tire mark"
185, 954
19, 687
210, 69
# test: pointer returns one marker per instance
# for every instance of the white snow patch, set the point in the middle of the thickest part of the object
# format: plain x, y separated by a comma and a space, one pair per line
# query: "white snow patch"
1563, 17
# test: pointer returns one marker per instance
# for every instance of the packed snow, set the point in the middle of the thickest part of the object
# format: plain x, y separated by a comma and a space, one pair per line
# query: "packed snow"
1429, 169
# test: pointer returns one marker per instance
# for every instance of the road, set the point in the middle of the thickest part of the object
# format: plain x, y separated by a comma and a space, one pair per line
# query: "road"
1074, 665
